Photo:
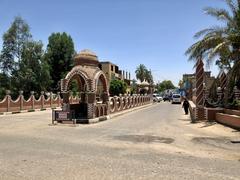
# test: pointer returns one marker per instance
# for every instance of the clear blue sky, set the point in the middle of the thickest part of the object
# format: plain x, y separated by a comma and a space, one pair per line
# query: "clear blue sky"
126, 32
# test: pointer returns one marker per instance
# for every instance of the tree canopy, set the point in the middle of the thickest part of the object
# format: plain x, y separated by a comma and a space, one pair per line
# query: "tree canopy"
117, 87
21, 61
24, 65
59, 55
164, 85
14, 40
221, 44
142, 73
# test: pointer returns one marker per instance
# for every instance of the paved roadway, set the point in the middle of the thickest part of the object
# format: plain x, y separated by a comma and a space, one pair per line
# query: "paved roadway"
157, 142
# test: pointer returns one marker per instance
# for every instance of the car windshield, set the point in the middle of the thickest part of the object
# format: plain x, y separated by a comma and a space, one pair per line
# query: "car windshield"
176, 96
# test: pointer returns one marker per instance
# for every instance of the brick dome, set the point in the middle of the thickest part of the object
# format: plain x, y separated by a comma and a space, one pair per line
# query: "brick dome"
86, 57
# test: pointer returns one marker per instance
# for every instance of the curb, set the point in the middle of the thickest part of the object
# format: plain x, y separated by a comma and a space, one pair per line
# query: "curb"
130, 110
111, 116
27, 111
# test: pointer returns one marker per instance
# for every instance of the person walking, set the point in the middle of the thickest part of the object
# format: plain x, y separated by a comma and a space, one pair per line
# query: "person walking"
185, 105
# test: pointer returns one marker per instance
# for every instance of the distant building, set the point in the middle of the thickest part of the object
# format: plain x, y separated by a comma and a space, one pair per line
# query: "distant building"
112, 72
190, 80
189, 83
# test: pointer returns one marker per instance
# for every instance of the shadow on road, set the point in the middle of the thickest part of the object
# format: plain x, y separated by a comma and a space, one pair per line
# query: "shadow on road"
208, 124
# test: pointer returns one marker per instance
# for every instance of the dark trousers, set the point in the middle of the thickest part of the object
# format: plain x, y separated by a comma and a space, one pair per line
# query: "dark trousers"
186, 110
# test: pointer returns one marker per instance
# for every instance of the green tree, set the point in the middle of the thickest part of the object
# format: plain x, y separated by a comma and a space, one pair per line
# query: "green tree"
117, 87
221, 43
148, 76
13, 42
164, 85
4, 85
141, 72
134, 87
59, 55
33, 73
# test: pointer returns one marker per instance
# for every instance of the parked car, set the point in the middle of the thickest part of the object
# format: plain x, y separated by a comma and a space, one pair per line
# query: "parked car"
157, 98
166, 98
176, 98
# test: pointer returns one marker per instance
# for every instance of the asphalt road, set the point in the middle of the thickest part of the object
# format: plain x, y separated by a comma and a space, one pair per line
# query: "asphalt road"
157, 142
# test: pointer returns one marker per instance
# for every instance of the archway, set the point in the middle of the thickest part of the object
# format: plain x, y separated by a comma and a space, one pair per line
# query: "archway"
76, 84
101, 85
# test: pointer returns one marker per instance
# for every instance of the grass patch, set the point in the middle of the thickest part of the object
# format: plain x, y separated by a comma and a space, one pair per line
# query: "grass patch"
31, 110
16, 112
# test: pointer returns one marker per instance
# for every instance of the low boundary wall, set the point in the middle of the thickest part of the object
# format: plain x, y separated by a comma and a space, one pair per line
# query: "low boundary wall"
121, 103
20, 104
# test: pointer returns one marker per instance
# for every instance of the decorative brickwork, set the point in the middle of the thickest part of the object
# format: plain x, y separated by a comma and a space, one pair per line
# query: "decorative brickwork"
199, 90
32, 103
120, 103
89, 76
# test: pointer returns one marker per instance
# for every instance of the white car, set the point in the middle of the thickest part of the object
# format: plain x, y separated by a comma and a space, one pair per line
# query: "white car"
157, 98
176, 98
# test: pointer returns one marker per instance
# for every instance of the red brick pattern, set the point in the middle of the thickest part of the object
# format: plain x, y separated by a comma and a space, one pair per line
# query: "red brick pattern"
9, 105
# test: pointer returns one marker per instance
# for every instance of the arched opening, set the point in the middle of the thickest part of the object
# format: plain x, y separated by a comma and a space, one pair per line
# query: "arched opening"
101, 87
76, 84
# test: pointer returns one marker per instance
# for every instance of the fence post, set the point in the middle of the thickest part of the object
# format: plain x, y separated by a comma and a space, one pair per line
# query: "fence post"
8, 99
32, 99
21, 99
59, 98
51, 97
42, 99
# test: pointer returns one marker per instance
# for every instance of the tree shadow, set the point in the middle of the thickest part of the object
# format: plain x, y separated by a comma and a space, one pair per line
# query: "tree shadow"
208, 124
187, 119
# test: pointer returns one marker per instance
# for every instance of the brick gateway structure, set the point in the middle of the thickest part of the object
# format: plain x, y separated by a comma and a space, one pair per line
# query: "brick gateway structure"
94, 103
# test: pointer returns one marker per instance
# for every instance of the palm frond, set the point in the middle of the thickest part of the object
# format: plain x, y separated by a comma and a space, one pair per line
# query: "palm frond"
233, 6
220, 14
218, 49
201, 47
211, 31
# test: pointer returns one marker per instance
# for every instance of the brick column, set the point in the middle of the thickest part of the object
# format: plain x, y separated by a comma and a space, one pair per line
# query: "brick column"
91, 103
199, 90
219, 93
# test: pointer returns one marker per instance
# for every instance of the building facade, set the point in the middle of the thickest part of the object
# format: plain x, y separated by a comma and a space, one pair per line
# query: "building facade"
112, 72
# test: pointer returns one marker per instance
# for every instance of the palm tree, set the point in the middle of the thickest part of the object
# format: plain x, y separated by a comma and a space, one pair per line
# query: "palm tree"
149, 77
141, 72
219, 41
221, 44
